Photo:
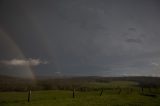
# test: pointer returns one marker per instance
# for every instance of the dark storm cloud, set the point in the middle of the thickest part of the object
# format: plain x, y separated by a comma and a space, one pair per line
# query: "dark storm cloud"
134, 40
132, 29
86, 37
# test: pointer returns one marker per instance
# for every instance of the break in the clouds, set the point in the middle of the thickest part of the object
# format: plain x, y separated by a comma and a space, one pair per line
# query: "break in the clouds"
83, 37
23, 62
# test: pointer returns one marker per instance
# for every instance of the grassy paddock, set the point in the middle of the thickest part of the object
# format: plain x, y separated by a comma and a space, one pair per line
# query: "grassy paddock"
114, 93
110, 96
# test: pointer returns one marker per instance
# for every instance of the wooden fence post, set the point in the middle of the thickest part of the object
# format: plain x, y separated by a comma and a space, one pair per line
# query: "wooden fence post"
73, 92
131, 90
29, 95
142, 89
150, 89
101, 92
120, 90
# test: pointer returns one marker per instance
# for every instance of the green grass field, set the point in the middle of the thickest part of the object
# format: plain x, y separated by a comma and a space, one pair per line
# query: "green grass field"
110, 97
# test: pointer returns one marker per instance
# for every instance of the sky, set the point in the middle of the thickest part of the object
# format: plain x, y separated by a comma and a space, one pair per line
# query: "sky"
80, 37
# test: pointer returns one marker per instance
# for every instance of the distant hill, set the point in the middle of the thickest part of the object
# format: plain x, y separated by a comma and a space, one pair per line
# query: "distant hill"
8, 83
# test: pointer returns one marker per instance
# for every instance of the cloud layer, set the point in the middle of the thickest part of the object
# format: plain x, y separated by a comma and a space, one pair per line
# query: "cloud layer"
83, 37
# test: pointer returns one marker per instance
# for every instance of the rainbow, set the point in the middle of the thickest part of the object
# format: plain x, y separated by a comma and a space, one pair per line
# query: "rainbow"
14, 51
